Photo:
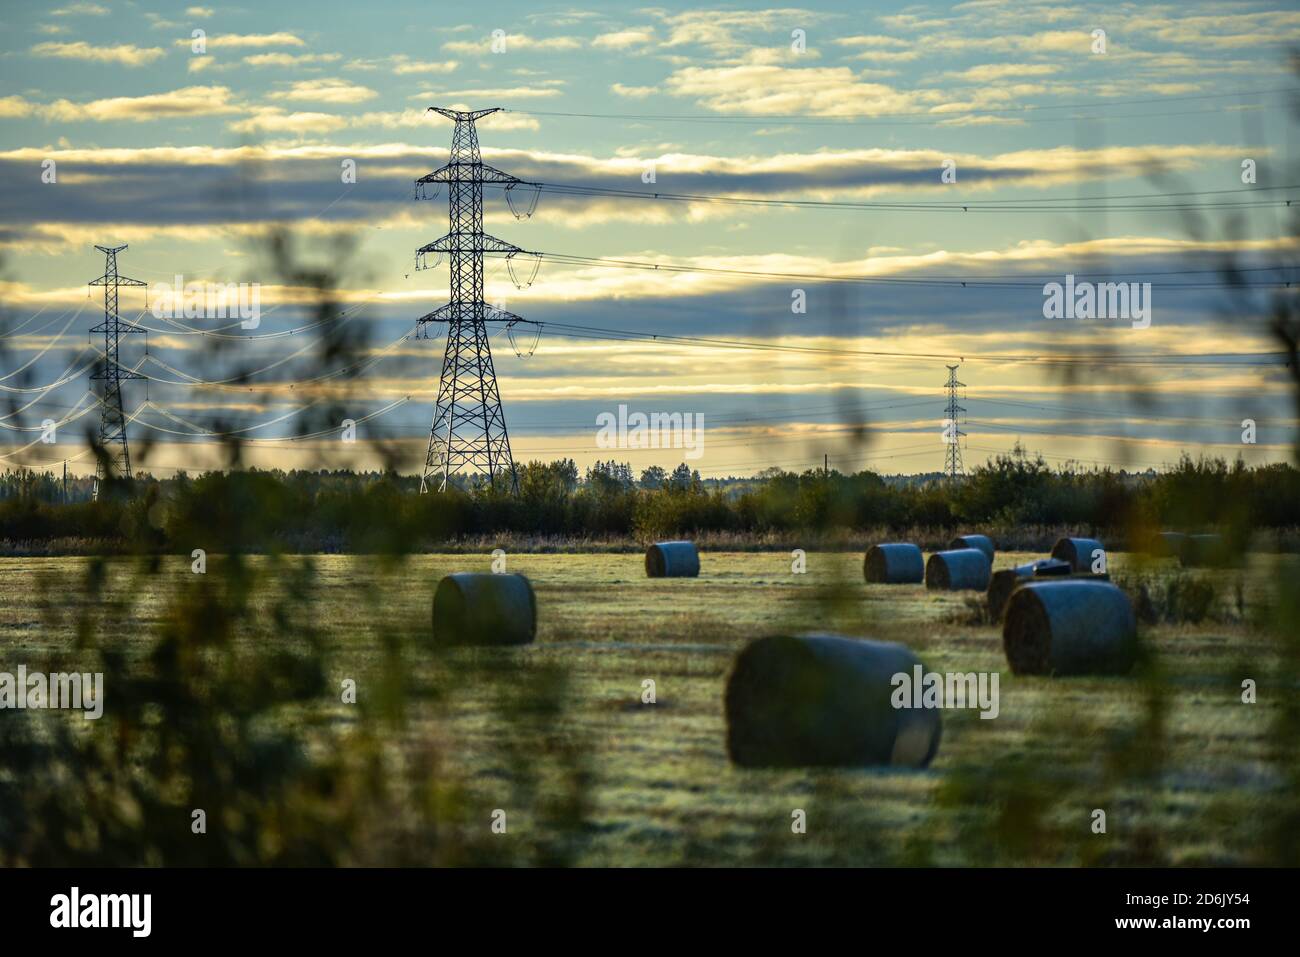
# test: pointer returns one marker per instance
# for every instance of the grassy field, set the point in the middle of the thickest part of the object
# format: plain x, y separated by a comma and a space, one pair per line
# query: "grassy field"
1183, 769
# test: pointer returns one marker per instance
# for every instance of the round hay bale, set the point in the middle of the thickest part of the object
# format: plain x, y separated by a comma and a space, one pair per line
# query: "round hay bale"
672, 560
1072, 626
959, 569
1004, 581
825, 700
1204, 551
982, 542
894, 564
484, 609
1077, 551
1166, 544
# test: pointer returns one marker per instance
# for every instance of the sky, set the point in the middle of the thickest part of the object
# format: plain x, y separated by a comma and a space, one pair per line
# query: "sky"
942, 163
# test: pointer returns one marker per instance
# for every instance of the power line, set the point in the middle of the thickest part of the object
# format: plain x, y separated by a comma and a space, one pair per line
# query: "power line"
970, 282
929, 116
1075, 204
1091, 435
1174, 358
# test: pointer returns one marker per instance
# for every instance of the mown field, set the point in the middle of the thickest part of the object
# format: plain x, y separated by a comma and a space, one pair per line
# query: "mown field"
557, 736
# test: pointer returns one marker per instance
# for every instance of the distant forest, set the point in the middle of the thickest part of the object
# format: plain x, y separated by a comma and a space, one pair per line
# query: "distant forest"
372, 512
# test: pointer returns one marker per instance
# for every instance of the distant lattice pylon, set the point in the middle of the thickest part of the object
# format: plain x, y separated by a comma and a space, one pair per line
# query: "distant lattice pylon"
115, 454
952, 433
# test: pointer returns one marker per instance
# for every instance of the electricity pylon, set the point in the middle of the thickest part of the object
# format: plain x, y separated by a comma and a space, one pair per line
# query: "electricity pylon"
115, 454
952, 432
469, 426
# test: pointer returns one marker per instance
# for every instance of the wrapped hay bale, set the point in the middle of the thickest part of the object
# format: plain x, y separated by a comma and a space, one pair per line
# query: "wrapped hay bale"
484, 609
672, 560
959, 569
825, 700
1070, 626
1166, 545
1077, 551
894, 564
1004, 581
982, 542
1205, 551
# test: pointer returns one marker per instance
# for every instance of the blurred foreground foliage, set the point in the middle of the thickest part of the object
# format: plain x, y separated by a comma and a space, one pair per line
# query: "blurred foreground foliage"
224, 694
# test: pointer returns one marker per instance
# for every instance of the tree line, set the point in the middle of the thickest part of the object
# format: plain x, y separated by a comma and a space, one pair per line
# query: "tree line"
349, 511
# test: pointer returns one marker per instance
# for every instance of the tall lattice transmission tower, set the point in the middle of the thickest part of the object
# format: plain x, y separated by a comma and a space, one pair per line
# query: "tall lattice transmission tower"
952, 433
115, 455
469, 426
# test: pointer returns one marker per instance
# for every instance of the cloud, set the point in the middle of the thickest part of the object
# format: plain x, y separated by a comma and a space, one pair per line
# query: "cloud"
326, 91
127, 54
198, 64
490, 93
12, 107
817, 91
290, 59
635, 92
514, 42
990, 72
272, 119
1227, 30
722, 31
200, 12
81, 10
187, 101
233, 41
404, 66
623, 39
872, 41
888, 56
166, 184
393, 119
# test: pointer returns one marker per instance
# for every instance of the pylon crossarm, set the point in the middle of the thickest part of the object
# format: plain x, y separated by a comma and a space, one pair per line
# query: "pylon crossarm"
492, 314
462, 116
470, 243
441, 314
120, 280
472, 173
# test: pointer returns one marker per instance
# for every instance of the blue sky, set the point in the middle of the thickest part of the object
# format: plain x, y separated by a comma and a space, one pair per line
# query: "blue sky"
191, 157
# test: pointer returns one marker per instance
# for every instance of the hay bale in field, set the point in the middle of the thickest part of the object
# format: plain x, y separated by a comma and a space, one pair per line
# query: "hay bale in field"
982, 542
1004, 581
825, 700
1071, 626
672, 560
959, 569
895, 563
1205, 551
1077, 551
1166, 544
484, 609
